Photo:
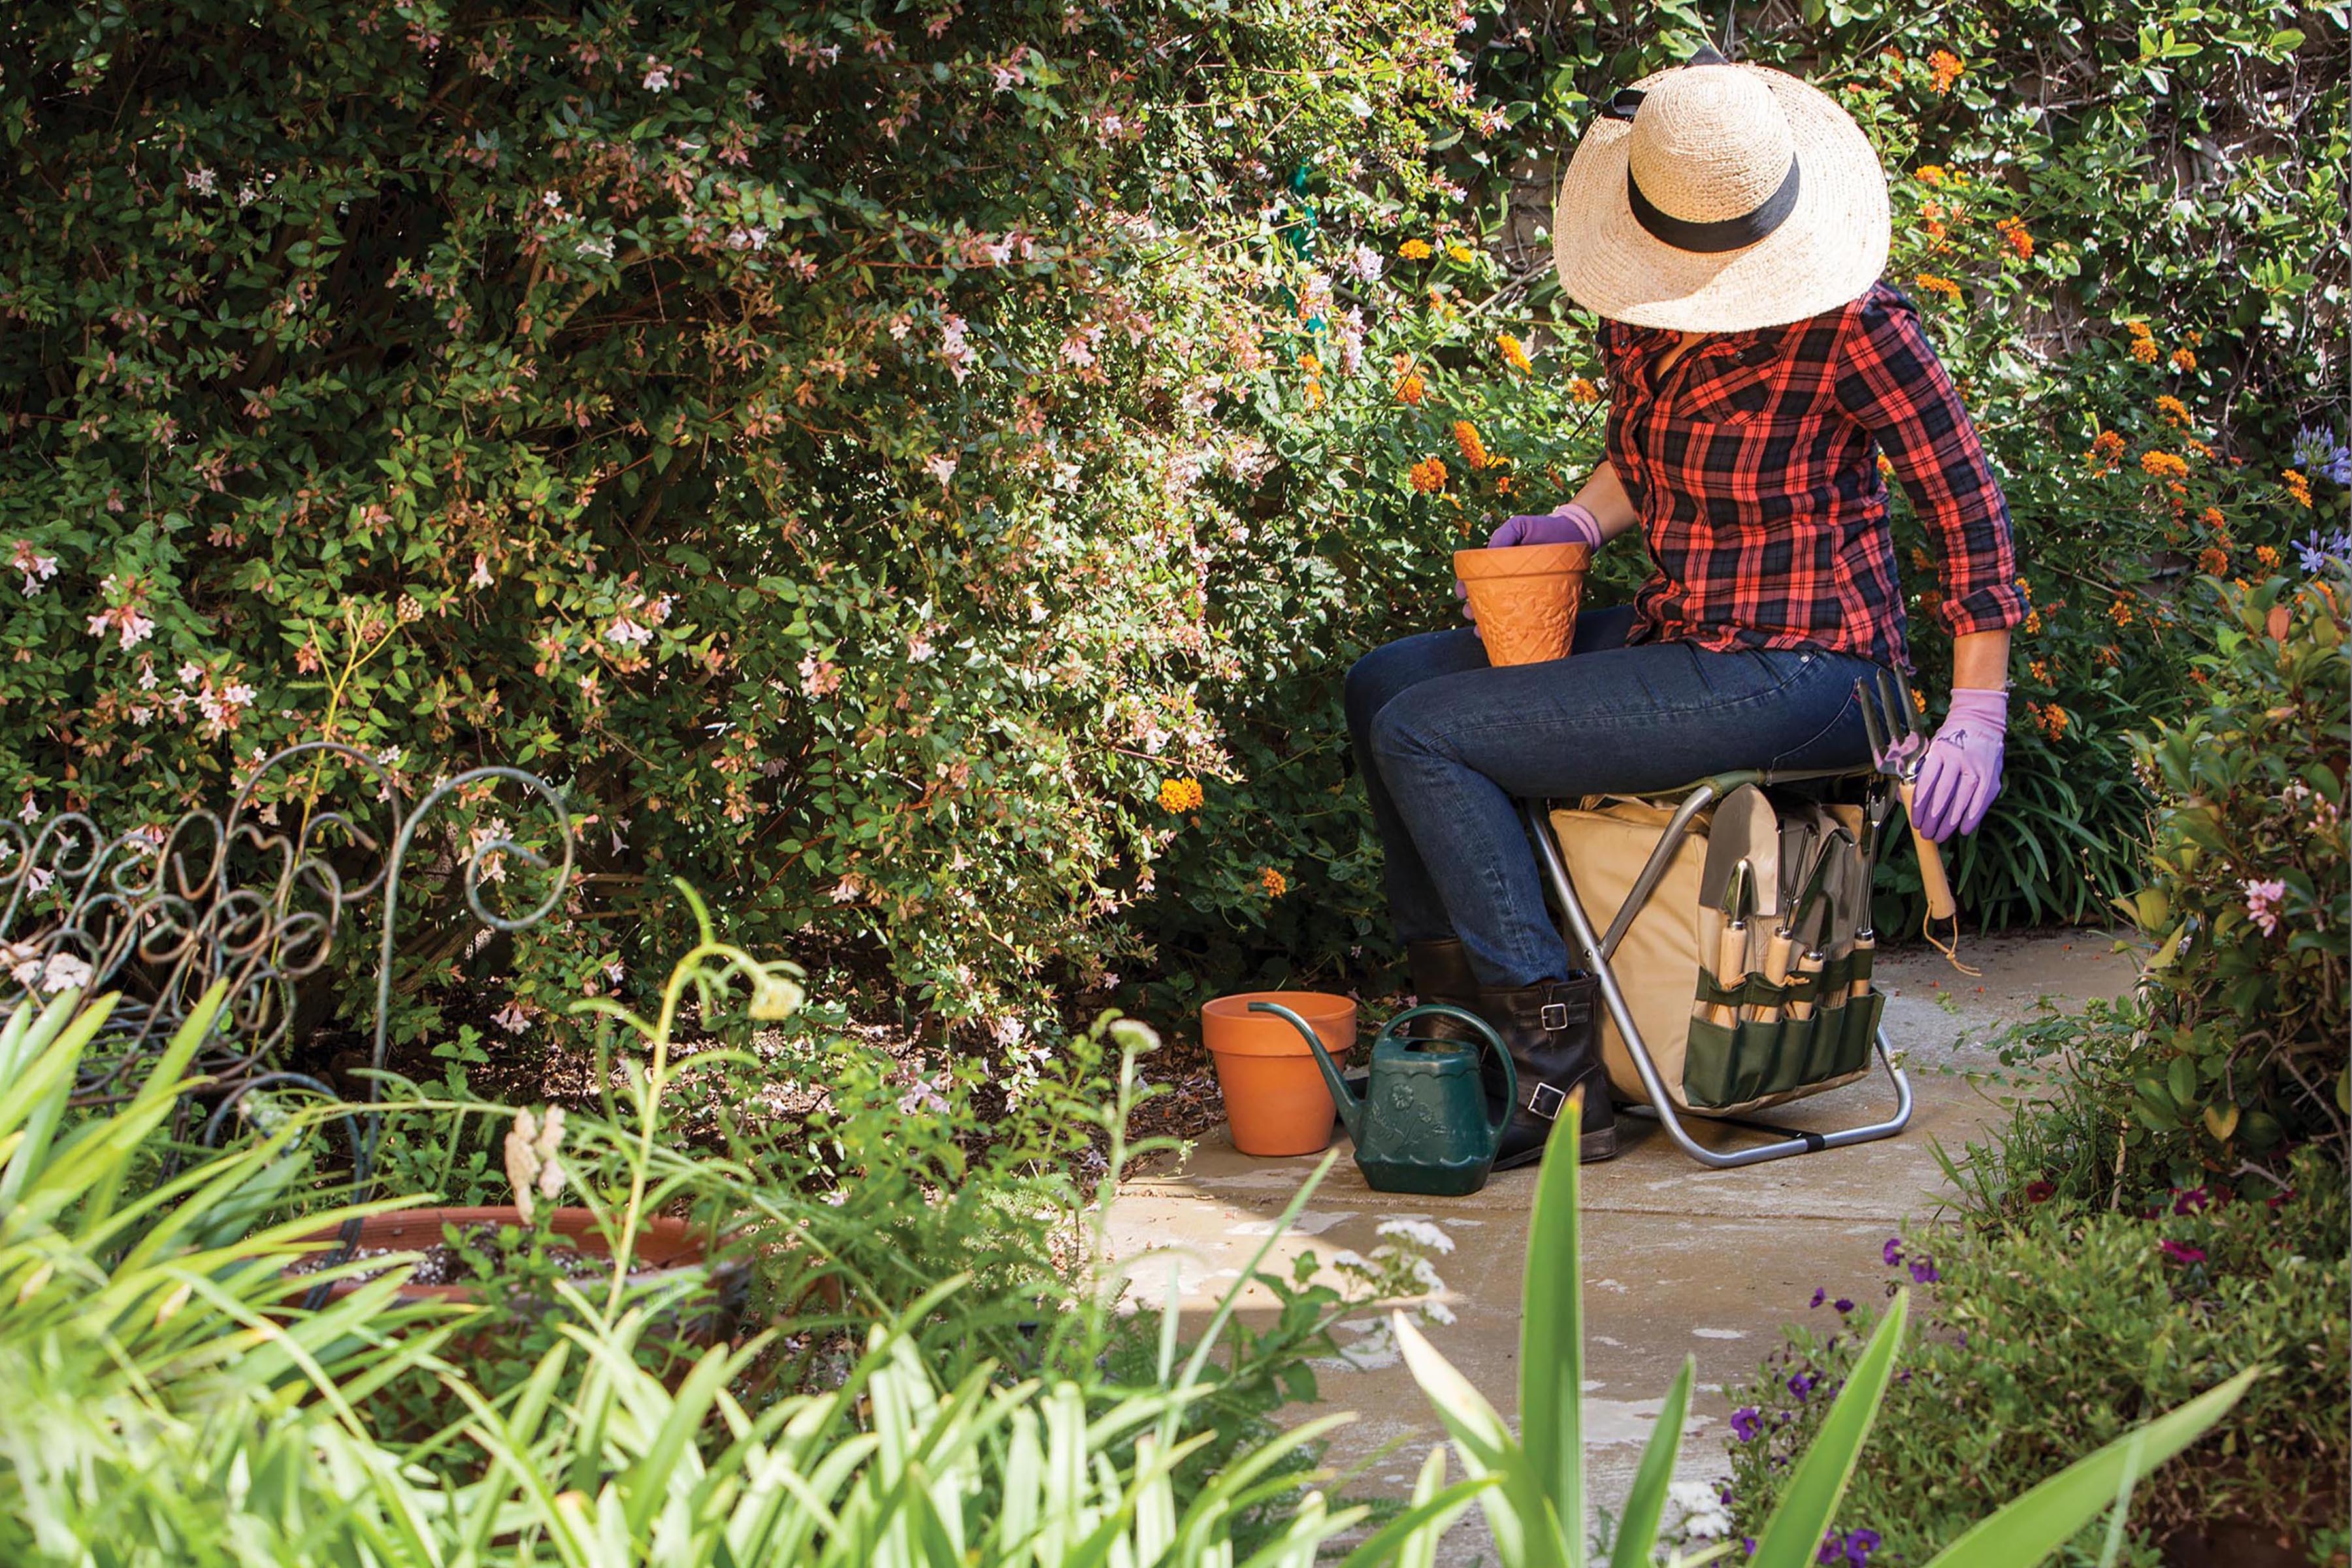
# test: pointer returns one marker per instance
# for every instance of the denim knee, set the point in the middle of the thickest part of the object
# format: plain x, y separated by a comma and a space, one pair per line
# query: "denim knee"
1401, 729
1373, 680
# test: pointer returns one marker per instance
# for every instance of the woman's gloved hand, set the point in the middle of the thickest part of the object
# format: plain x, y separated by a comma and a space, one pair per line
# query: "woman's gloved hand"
1961, 775
1572, 524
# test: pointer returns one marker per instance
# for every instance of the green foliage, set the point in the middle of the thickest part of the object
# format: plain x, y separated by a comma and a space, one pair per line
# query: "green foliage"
2249, 899
861, 454
2059, 1329
1538, 1503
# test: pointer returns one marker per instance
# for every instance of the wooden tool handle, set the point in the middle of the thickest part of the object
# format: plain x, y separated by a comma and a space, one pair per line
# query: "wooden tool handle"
1710, 946
1780, 952
1862, 947
1730, 969
1938, 886
1802, 1008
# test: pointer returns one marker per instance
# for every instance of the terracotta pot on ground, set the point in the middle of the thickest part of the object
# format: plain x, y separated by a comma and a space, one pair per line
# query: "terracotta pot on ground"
665, 1246
1275, 1101
1525, 598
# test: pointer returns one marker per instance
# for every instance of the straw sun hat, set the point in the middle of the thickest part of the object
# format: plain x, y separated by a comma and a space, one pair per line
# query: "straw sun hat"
1715, 197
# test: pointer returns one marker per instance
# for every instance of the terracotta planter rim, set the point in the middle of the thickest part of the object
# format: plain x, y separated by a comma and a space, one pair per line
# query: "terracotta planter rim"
1522, 561
670, 1245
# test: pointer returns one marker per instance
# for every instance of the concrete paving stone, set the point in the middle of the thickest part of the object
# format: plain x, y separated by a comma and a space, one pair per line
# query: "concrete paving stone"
1678, 1260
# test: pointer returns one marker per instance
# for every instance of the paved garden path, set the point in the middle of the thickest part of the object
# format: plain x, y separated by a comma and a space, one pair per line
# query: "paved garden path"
1678, 1260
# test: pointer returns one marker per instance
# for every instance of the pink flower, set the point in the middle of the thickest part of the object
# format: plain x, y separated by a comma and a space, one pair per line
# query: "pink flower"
2181, 1252
819, 676
2262, 900
38, 568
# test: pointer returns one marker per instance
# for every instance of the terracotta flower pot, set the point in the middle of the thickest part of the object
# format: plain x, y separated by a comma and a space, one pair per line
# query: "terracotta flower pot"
1525, 598
1275, 1101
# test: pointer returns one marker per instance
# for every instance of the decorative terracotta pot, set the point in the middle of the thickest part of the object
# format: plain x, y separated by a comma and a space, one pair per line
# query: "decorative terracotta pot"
665, 1246
1525, 598
1275, 1101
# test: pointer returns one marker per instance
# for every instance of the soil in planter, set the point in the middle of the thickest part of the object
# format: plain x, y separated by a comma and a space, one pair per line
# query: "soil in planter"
442, 1264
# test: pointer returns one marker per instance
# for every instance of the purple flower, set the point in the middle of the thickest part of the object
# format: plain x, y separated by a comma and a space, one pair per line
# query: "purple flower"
2181, 1252
1852, 1549
2190, 1200
1893, 1251
1924, 1273
1820, 1295
1746, 1423
1843, 1304
2318, 453
1801, 1383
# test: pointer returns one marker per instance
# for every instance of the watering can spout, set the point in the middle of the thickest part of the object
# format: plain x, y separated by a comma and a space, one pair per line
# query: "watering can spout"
1351, 1108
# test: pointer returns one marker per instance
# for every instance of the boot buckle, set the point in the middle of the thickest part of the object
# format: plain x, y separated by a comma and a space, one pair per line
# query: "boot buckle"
1547, 1101
1554, 1016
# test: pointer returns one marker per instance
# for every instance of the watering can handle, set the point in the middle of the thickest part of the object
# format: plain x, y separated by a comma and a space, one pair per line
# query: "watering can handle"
1488, 1040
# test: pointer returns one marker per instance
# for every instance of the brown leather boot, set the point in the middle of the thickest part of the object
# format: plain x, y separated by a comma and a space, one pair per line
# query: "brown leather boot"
1553, 1034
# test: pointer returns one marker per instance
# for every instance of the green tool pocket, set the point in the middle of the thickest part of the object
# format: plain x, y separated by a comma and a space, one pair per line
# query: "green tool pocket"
1755, 1058
1860, 1030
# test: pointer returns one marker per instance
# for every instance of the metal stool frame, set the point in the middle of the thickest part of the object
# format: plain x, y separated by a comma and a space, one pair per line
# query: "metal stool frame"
1596, 951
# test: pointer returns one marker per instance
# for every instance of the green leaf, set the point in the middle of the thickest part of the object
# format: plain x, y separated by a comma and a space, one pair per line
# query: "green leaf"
2037, 1524
1551, 1332
1792, 1536
1645, 1504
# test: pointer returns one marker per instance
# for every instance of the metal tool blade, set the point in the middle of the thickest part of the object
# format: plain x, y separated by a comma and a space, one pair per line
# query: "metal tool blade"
1745, 827
1913, 714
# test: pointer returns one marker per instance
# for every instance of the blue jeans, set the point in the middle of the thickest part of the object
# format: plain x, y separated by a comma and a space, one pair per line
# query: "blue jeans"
1447, 744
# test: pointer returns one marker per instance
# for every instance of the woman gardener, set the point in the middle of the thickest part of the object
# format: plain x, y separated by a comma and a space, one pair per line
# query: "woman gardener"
1727, 223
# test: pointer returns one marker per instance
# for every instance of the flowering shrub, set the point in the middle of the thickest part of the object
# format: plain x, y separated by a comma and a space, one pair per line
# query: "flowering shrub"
865, 454
2041, 1352
2250, 899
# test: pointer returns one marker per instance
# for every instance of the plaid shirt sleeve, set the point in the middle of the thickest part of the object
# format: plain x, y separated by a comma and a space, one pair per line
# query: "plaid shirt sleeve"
1889, 379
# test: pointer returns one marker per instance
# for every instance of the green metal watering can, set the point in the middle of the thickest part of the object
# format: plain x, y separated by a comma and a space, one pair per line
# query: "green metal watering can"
1421, 1124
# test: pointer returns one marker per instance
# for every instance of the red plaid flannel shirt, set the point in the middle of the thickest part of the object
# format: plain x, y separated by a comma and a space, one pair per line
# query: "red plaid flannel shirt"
1754, 469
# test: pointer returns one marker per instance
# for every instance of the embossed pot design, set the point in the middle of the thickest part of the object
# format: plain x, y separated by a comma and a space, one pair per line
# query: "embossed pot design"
1525, 598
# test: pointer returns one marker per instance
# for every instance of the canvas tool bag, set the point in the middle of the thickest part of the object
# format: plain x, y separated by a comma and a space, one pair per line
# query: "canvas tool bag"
1767, 1056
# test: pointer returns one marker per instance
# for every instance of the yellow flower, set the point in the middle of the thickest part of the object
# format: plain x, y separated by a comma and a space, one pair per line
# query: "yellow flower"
2119, 611
1514, 354
1410, 390
1428, 476
2032, 622
2199, 448
1310, 364
2041, 670
1461, 253
1947, 67
2182, 360
2144, 351
2136, 328
1180, 794
1273, 881
2012, 233
1928, 173
2164, 465
1583, 391
2171, 410
1465, 436
1414, 250
1885, 466
1315, 398
2299, 487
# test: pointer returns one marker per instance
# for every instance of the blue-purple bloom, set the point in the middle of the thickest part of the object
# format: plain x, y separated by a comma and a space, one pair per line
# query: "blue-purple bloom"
1892, 1251
2322, 550
1820, 1295
1924, 1273
1843, 1304
1746, 1423
1801, 1383
2320, 454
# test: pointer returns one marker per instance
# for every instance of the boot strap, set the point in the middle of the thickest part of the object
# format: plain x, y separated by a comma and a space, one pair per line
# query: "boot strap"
1547, 1101
1554, 1016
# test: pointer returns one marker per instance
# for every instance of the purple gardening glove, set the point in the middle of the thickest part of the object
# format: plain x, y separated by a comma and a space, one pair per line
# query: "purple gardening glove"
1961, 773
1572, 524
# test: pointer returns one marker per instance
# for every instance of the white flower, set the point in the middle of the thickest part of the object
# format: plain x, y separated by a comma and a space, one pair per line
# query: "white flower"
1419, 1232
942, 466
848, 892
201, 180
513, 1018
551, 200
147, 682
1365, 263
922, 1098
601, 248
656, 77
38, 568
628, 634
32, 812
189, 674
65, 971
919, 649
1703, 1516
390, 756
481, 576
1437, 1312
